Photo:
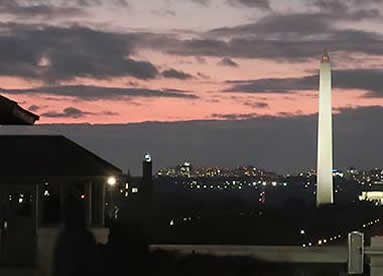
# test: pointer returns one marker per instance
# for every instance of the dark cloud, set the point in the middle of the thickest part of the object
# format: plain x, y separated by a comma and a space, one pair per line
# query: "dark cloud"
53, 9
297, 26
75, 51
46, 12
366, 2
165, 12
290, 37
234, 116
202, 75
69, 112
96, 92
284, 43
45, 9
72, 112
121, 3
256, 104
34, 108
176, 74
201, 2
176, 90
369, 80
261, 4
284, 85
85, 3
342, 6
279, 26
331, 5
69, 53
226, 61
201, 60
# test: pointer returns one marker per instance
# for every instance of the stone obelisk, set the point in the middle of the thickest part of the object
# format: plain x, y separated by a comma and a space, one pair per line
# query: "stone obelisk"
325, 150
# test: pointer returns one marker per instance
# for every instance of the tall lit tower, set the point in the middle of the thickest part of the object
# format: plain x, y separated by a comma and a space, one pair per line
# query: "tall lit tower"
147, 179
325, 150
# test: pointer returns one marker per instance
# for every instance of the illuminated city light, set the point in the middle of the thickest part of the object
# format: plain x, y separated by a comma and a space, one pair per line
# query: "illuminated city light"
112, 181
148, 157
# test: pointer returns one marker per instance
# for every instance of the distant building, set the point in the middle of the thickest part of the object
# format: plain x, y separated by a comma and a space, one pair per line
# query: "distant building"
186, 169
12, 114
130, 186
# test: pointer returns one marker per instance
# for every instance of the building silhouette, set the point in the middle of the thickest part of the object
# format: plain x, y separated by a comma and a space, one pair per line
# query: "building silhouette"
38, 173
12, 114
147, 180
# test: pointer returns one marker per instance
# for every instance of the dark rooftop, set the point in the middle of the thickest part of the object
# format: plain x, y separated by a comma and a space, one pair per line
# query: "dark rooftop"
12, 114
49, 156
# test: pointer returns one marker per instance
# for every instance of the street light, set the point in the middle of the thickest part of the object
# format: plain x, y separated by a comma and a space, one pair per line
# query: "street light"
111, 181
113, 210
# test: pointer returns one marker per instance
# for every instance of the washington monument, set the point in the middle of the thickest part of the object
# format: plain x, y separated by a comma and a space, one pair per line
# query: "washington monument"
325, 150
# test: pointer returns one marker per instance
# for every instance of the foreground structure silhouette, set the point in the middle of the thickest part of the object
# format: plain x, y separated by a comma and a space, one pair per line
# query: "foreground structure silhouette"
38, 173
13, 114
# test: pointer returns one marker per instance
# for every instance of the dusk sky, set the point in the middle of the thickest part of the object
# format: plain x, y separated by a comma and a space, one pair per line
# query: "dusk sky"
133, 61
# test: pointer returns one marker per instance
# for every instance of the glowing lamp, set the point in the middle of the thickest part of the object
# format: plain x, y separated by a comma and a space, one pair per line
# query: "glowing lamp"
111, 181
